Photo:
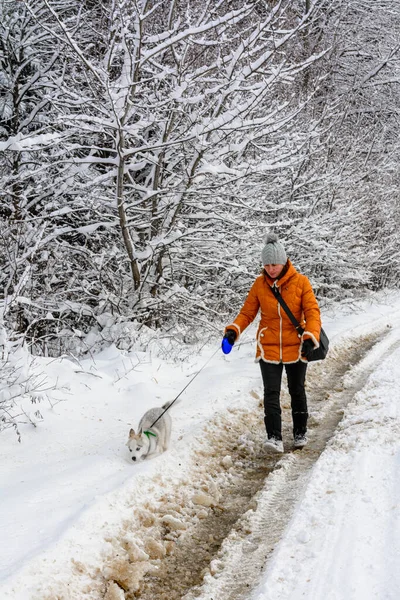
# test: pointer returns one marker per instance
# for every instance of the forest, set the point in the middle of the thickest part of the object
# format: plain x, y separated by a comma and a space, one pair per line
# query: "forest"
147, 146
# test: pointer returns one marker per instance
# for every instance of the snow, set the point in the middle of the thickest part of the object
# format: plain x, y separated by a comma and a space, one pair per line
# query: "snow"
18, 142
69, 489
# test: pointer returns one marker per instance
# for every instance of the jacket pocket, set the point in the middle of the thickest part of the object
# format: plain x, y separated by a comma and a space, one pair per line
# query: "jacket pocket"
261, 334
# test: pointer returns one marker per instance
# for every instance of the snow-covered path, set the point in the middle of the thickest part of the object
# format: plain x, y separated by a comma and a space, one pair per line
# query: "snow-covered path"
343, 541
77, 517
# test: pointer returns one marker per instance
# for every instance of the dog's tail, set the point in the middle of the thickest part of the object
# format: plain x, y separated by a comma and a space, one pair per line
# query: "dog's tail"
168, 404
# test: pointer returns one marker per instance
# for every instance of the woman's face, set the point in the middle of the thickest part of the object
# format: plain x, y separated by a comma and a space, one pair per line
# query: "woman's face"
274, 270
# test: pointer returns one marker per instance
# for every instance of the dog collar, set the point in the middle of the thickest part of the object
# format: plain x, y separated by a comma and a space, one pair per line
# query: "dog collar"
149, 433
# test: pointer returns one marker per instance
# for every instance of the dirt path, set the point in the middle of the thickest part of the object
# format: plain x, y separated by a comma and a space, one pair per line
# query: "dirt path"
214, 536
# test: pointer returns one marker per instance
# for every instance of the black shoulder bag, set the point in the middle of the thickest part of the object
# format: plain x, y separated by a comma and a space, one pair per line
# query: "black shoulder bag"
317, 354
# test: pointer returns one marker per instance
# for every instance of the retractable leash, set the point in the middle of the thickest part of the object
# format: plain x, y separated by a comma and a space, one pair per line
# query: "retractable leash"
149, 433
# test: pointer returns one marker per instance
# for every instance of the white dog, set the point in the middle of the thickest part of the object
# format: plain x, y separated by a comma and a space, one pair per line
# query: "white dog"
150, 441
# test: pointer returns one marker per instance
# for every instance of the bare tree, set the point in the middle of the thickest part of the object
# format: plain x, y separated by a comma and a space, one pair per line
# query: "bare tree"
170, 106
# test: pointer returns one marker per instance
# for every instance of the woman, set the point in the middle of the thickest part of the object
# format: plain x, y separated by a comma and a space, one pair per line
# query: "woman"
278, 342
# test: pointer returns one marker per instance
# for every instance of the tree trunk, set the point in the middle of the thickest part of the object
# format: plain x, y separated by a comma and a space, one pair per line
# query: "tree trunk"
122, 213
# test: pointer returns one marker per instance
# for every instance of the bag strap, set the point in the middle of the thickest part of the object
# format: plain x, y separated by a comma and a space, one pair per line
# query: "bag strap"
287, 310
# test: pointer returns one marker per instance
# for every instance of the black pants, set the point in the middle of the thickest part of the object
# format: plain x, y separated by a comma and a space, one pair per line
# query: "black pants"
272, 377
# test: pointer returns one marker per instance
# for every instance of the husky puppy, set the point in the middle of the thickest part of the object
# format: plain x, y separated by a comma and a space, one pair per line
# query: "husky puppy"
150, 441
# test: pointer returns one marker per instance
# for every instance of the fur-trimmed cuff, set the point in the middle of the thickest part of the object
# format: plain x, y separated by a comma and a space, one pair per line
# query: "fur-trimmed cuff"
236, 328
312, 337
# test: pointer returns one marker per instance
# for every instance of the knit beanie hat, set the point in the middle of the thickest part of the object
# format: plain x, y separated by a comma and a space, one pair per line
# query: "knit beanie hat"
273, 252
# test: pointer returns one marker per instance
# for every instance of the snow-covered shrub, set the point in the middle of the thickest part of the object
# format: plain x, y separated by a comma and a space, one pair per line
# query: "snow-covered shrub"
20, 386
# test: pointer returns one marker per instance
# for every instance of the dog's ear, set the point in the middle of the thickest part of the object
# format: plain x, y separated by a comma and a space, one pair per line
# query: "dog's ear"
132, 433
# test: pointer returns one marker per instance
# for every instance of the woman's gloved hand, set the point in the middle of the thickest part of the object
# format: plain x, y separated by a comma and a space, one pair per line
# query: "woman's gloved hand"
228, 340
307, 348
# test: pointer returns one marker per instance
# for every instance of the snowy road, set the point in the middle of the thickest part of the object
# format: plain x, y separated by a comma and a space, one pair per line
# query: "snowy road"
214, 517
243, 556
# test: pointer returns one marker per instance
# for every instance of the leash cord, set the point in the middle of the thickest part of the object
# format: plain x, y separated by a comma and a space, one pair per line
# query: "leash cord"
186, 386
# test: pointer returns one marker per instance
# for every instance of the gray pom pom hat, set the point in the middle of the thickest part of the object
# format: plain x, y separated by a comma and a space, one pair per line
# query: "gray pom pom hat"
273, 252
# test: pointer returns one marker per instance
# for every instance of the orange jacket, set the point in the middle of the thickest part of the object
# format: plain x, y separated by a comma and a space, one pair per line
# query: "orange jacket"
277, 338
